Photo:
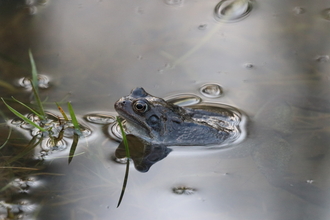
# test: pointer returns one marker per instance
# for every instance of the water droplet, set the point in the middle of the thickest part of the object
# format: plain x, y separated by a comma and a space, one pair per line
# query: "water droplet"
30, 2
102, 119
326, 14
310, 181
249, 65
32, 10
50, 145
184, 99
114, 131
232, 10
43, 82
174, 2
202, 27
298, 10
121, 160
211, 90
183, 190
322, 58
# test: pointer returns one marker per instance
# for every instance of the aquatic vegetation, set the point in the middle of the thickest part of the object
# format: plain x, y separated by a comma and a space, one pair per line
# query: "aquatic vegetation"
127, 161
46, 125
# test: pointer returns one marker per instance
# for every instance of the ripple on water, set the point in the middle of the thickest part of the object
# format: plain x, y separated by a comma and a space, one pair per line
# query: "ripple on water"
232, 10
211, 90
43, 82
184, 99
98, 118
174, 2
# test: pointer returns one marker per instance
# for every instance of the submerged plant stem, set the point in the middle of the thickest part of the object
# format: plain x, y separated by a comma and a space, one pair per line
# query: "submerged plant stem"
127, 162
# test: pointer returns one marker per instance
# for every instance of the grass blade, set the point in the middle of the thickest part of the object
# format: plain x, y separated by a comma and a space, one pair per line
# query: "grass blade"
73, 147
37, 98
23, 117
34, 84
74, 119
33, 111
8, 137
127, 162
34, 81
62, 112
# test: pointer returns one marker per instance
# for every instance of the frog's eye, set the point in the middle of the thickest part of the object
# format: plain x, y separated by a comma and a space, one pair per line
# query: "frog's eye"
140, 106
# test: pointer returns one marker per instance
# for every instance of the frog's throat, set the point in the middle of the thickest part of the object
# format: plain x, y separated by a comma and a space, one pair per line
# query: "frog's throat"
134, 126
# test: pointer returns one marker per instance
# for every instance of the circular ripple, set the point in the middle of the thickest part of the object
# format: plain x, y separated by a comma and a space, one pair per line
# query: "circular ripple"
102, 119
211, 90
184, 99
43, 82
232, 10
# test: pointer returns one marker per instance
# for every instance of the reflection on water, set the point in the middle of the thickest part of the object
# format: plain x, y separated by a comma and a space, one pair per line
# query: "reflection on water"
273, 64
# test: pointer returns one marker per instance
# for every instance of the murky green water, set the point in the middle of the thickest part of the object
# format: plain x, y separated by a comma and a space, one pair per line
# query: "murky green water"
270, 59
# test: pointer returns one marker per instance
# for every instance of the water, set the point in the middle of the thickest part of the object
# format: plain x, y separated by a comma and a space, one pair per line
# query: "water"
271, 61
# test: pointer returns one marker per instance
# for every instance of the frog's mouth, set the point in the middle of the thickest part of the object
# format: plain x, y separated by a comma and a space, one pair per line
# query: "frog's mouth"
133, 124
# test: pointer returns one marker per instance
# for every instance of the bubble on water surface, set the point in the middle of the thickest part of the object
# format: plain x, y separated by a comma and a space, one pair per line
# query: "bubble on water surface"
211, 90
310, 181
232, 10
114, 130
51, 145
102, 119
202, 27
174, 2
298, 10
183, 190
322, 58
326, 14
184, 99
249, 65
43, 82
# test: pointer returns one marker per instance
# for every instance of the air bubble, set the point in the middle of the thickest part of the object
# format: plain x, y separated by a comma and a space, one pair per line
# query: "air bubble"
322, 58
202, 27
43, 82
232, 10
326, 14
249, 65
298, 10
211, 90
174, 2
100, 118
184, 99
310, 181
183, 190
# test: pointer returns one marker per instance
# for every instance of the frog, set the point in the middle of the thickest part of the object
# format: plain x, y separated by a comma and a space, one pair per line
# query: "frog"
158, 121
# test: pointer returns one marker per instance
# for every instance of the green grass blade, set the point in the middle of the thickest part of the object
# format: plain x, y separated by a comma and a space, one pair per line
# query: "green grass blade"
37, 98
34, 81
73, 147
127, 162
74, 119
23, 117
34, 84
33, 111
124, 137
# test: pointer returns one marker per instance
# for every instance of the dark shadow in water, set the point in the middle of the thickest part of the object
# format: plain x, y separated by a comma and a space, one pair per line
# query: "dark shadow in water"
143, 154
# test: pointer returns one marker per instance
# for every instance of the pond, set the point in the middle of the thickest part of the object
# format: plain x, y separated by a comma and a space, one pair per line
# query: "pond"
269, 60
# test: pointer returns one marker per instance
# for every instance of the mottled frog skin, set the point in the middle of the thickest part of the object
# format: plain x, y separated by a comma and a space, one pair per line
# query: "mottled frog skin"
160, 122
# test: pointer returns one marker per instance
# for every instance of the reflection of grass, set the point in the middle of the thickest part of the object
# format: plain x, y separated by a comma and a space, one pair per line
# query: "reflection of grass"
127, 162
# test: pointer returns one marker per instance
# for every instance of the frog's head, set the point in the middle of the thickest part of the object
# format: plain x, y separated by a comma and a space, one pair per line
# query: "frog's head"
144, 113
